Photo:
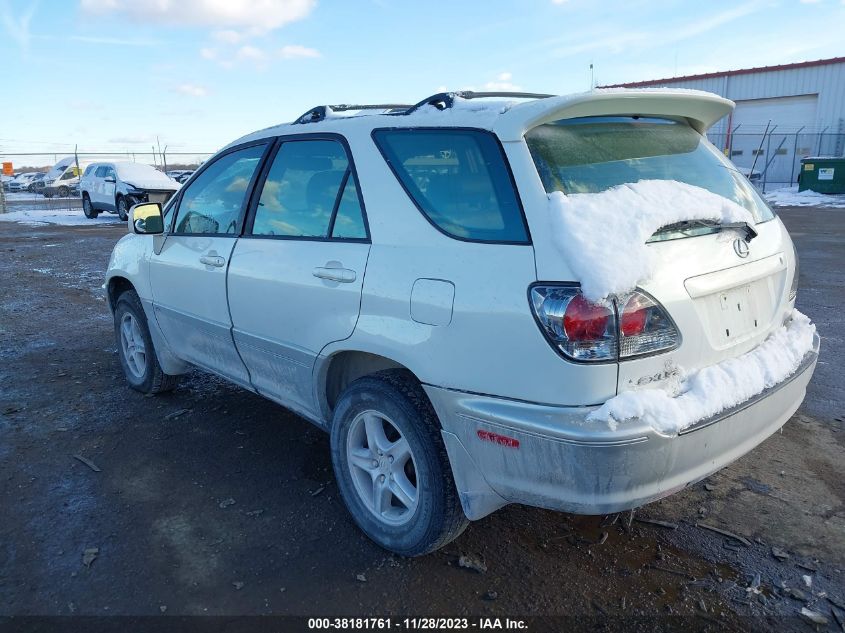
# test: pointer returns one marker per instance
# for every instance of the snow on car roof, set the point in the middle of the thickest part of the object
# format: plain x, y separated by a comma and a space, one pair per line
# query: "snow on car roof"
128, 171
510, 117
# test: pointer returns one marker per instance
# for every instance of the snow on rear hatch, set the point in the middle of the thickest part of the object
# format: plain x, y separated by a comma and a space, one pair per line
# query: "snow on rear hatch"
615, 185
602, 236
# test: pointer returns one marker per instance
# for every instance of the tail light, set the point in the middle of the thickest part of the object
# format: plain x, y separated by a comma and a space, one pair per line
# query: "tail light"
793, 288
622, 327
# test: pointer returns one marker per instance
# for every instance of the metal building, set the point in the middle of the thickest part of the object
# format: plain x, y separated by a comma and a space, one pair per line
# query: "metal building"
783, 113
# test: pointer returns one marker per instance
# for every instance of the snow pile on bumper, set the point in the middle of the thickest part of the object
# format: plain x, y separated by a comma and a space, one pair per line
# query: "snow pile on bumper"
602, 236
710, 390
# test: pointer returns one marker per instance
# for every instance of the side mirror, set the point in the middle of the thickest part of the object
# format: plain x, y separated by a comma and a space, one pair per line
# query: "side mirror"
146, 218
109, 179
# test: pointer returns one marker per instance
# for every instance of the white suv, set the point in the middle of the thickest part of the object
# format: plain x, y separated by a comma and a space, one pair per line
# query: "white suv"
569, 302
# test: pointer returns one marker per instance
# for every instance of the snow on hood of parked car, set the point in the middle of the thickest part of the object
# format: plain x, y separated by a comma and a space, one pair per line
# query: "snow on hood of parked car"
709, 391
144, 176
602, 236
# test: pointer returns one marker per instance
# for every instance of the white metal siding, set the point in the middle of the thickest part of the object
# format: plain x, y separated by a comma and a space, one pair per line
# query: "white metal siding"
827, 81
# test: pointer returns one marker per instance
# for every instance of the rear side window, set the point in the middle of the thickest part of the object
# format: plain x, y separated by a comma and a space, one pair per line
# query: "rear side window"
459, 180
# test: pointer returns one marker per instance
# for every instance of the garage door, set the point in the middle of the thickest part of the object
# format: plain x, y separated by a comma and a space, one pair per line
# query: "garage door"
779, 155
786, 112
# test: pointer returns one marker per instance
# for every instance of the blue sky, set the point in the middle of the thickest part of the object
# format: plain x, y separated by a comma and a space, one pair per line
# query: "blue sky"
111, 75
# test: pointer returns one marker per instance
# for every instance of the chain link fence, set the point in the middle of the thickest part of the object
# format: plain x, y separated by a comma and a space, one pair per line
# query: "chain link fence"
772, 159
61, 192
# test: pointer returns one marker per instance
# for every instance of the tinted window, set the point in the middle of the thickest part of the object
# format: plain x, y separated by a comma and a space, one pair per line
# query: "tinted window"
458, 178
89, 169
592, 154
349, 221
213, 201
101, 171
303, 191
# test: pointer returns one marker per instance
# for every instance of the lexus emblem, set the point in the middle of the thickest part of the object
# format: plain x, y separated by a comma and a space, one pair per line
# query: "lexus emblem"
741, 248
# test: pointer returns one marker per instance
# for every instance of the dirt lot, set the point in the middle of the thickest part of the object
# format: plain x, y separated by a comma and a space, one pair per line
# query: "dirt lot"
211, 500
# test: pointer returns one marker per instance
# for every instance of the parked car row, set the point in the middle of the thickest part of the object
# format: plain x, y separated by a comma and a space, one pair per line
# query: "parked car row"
109, 186
22, 182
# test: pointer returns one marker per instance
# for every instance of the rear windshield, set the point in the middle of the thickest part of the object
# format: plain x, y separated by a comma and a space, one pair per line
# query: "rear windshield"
592, 154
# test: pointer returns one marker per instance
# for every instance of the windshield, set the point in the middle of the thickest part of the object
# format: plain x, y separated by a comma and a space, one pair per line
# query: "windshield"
592, 154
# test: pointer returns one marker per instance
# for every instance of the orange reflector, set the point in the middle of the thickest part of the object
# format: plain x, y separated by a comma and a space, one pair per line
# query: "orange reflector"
502, 440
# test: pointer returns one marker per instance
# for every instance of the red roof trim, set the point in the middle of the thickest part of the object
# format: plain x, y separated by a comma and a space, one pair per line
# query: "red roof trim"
728, 73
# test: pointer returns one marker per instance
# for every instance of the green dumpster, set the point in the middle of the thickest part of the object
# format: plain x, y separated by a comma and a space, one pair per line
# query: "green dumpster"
822, 174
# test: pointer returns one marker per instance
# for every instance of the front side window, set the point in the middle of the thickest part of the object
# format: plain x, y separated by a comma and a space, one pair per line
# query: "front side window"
213, 202
101, 171
592, 154
310, 192
459, 180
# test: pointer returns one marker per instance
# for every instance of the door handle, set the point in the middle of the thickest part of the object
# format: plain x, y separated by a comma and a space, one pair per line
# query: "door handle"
213, 260
343, 275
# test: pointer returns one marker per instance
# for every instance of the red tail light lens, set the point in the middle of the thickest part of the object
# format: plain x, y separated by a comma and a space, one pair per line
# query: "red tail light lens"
580, 329
585, 321
644, 326
624, 327
633, 317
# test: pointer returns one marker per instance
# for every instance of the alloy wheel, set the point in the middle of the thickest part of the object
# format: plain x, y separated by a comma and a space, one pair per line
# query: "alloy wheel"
132, 343
382, 466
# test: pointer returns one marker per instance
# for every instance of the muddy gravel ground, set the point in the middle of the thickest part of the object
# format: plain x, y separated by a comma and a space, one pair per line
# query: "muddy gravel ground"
211, 500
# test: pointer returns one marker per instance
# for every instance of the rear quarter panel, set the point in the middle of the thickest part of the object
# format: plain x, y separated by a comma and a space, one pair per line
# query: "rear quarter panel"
492, 344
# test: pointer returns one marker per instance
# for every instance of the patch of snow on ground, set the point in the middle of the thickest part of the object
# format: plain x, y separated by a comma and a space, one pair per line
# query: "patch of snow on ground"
710, 390
66, 217
602, 236
790, 197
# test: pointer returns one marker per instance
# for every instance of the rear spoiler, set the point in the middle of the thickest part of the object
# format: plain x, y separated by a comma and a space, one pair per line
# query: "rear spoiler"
700, 109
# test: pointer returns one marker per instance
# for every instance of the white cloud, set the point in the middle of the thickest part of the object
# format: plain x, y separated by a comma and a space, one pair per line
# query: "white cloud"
294, 51
260, 15
502, 83
250, 53
227, 36
208, 53
192, 90
16, 24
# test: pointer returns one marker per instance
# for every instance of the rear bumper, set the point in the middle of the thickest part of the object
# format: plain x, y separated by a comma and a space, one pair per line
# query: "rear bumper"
564, 463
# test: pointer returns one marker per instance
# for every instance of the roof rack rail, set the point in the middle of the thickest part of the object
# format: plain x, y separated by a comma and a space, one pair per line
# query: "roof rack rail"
443, 100
319, 113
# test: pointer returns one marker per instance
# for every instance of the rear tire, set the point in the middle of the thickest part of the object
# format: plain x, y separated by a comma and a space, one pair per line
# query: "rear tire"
391, 465
122, 208
64, 191
135, 347
88, 209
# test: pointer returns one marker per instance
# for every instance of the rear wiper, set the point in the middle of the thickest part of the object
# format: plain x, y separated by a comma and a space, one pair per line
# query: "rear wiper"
749, 232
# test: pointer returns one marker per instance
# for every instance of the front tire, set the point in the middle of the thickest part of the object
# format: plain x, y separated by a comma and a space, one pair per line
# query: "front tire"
88, 209
122, 208
64, 191
391, 465
135, 347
